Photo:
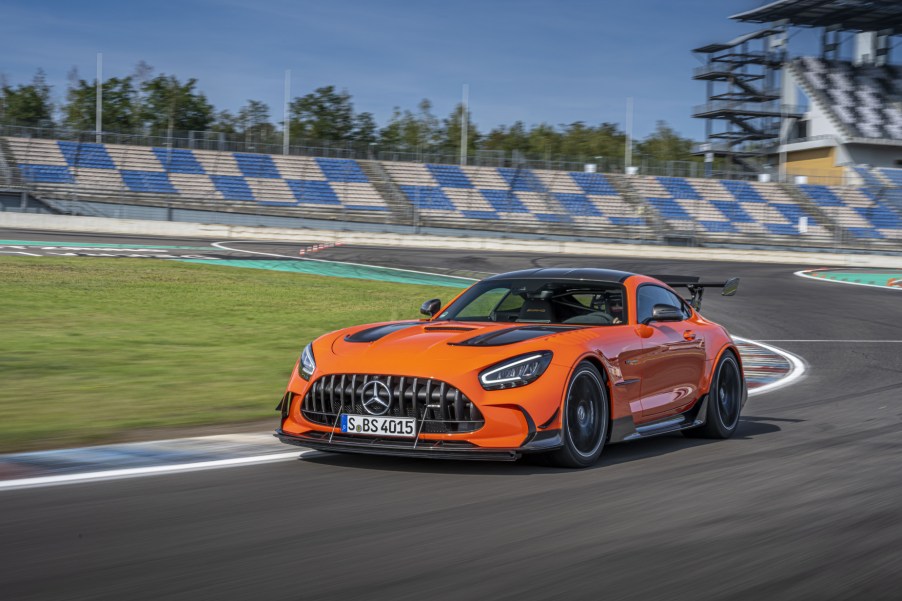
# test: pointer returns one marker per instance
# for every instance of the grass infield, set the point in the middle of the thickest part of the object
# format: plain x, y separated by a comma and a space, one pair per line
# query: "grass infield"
95, 348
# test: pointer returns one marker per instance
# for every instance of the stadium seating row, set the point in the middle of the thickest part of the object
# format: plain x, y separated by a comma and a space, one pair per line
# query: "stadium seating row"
208, 175
471, 196
858, 94
448, 192
726, 208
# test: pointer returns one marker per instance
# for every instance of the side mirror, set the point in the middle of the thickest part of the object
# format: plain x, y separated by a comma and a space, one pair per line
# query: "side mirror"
664, 313
431, 307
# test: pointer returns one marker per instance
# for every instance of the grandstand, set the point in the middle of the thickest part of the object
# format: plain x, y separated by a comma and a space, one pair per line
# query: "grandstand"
818, 117
72, 176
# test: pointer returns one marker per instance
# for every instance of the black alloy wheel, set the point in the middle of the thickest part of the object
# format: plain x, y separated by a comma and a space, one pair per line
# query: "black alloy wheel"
585, 419
725, 400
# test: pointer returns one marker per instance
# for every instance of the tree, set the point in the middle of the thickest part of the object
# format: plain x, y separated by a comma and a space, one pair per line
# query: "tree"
665, 144
364, 132
323, 115
412, 132
170, 104
120, 104
253, 121
225, 122
27, 105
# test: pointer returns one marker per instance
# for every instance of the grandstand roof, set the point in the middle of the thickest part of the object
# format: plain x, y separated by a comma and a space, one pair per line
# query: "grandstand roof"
849, 15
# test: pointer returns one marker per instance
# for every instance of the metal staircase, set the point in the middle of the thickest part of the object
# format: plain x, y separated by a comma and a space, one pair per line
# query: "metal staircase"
400, 207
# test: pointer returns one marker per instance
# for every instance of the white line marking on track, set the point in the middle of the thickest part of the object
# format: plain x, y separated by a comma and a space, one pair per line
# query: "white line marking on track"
155, 470
797, 371
18, 252
220, 245
802, 274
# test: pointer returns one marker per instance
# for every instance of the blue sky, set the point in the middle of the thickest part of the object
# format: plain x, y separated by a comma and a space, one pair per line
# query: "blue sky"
529, 60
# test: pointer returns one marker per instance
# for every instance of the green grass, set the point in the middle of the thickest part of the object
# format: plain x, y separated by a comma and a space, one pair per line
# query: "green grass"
96, 348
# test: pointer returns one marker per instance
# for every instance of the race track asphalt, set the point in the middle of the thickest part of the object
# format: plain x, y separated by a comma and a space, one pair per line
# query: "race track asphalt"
804, 503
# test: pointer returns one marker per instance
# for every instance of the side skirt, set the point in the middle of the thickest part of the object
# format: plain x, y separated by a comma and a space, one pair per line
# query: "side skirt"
624, 429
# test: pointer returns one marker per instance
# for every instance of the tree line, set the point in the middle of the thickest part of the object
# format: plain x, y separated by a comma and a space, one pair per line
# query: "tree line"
162, 105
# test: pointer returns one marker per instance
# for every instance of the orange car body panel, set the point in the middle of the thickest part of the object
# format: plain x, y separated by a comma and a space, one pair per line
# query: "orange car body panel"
673, 373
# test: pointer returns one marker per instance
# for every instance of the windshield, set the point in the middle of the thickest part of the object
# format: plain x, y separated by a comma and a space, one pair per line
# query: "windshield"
541, 301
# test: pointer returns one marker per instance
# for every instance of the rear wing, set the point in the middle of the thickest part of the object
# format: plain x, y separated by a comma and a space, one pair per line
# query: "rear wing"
697, 287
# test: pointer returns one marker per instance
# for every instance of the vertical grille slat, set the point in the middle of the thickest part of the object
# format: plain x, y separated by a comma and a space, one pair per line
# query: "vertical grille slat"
441, 407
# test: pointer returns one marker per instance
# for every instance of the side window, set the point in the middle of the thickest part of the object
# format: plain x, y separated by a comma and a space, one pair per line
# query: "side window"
649, 295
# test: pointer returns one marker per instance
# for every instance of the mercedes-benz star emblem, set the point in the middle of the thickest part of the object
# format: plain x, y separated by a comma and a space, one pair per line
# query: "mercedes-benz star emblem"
376, 397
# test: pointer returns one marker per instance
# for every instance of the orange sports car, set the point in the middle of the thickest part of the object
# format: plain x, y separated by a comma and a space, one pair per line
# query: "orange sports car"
553, 361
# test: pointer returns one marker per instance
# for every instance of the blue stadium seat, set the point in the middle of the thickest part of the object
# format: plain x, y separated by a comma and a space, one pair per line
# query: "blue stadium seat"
481, 214
521, 180
627, 220
450, 176
678, 187
868, 177
881, 217
669, 209
578, 205
342, 170
893, 175
86, 155
313, 192
46, 174
148, 181
718, 227
233, 187
822, 195
782, 229
367, 207
178, 160
257, 165
551, 217
504, 201
732, 211
792, 213
865, 232
428, 197
743, 191
594, 183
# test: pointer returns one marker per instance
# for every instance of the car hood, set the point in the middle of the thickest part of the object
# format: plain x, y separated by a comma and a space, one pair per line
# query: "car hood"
426, 348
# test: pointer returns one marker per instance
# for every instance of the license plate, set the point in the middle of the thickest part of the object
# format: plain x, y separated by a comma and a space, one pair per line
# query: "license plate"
403, 427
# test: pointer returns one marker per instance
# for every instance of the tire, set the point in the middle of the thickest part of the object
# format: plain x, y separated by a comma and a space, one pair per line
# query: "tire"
585, 419
725, 400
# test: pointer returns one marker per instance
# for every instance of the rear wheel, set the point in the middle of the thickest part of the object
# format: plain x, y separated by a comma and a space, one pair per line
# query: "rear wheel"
725, 400
585, 419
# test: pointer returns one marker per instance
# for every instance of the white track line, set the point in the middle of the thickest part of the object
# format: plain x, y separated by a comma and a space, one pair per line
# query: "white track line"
220, 245
797, 370
803, 274
155, 470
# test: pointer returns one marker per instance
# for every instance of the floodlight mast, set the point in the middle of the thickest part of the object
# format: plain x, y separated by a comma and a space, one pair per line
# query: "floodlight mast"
98, 117
464, 123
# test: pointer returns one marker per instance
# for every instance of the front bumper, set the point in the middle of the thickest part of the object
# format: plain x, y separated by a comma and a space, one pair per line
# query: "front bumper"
435, 449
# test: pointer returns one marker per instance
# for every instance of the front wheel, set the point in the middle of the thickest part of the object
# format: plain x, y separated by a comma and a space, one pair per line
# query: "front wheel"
725, 400
585, 419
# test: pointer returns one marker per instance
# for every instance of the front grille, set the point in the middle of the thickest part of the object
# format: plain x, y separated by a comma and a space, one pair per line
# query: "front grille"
438, 407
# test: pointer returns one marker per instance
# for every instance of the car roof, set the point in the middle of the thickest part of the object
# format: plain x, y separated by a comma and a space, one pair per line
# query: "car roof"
564, 273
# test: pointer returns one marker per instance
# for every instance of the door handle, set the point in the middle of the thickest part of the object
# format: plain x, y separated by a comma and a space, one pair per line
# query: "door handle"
689, 335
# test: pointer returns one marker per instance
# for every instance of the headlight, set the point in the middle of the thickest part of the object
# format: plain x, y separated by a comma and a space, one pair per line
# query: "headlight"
516, 371
307, 364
